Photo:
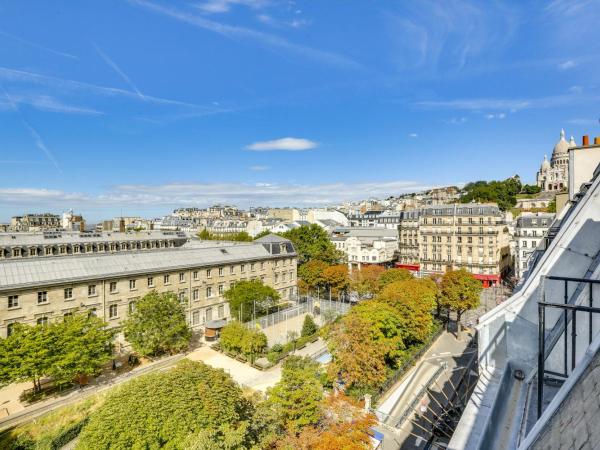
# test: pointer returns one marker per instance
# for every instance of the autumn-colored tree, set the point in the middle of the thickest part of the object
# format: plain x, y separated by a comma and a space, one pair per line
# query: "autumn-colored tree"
393, 275
460, 292
414, 299
357, 358
344, 425
366, 280
336, 278
311, 273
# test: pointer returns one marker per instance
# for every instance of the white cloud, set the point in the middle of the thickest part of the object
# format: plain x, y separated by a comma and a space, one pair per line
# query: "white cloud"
113, 65
48, 103
456, 120
169, 196
495, 116
223, 6
570, 64
584, 122
413, 135
288, 144
259, 168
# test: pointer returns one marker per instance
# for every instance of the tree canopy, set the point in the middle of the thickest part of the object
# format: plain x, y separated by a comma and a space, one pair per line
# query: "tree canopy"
504, 193
392, 275
297, 396
309, 327
366, 280
312, 242
311, 273
248, 297
336, 278
65, 349
240, 236
157, 325
167, 409
460, 291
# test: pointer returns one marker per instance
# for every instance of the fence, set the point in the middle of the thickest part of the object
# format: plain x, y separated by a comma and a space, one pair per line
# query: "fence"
307, 305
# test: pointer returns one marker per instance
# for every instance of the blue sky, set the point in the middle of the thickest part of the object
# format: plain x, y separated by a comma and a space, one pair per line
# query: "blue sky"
140, 106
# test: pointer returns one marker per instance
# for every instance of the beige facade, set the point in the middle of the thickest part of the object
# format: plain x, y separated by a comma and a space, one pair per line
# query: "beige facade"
109, 285
408, 239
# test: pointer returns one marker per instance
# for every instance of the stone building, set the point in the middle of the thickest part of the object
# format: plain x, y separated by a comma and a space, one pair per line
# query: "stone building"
364, 246
466, 236
35, 222
38, 290
408, 240
530, 229
554, 174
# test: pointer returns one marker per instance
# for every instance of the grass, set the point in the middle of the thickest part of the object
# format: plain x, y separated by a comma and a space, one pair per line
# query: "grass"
43, 433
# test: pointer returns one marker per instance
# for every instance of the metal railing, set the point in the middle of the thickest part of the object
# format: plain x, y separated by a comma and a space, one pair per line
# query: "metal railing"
570, 311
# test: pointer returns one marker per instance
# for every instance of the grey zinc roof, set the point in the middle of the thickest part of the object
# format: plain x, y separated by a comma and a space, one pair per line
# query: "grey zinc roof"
269, 238
41, 271
70, 237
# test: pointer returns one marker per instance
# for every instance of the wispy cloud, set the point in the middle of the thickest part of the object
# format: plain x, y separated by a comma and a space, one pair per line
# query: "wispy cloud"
584, 122
113, 65
38, 46
243, 33
259, 168
39, 142
413, 135
223, 6
48, 103
569, 64
66, 85
456, 120
495, 116
288, 144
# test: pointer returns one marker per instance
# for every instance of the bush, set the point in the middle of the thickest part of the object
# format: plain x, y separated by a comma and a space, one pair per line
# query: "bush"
162, 409
309, 327
273, 357
277, 348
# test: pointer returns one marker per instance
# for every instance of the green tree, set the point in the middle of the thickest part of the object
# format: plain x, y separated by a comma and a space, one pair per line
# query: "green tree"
254, 343
393, 275
232, 335
163, 409
83, 344
309, 327
157, 325
504, 193
460, 292
312, 242
263, 234
551, 206
28, 354
414, 299
248, 297
530, 189
297, 396
205, 235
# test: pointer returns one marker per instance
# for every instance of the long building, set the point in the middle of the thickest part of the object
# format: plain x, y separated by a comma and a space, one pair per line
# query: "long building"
38, 290
437, 238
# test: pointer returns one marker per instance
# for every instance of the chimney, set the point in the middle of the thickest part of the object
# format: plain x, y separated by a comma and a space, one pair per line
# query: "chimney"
586, 141
597, 140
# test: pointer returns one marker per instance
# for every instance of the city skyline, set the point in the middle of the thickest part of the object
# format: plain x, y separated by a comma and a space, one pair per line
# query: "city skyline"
143, 106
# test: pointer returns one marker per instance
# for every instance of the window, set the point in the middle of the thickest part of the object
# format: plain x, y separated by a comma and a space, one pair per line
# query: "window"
208, 314
13, 301
182, 296
220, 289
220, 271
42, 297
242, 268
67, 315
195, 274
113, 287
92, 312
91, 290
167, 279
195, 317
208, 274
252, 267
181, 277
262, 265
221, 311
68, 293
131, 307
195, 294
150, 282
231, 270
131, 285
113, 311
42, 321
208, 292
277, 277
10, 328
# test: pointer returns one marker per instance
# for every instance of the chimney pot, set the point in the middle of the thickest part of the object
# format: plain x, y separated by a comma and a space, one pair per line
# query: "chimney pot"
586, 141
597, 140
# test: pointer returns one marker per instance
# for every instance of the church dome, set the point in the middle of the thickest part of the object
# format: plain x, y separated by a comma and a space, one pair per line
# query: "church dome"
561, 147
545, 164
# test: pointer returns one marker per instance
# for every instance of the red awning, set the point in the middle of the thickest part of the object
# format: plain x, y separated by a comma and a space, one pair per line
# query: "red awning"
413, 267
